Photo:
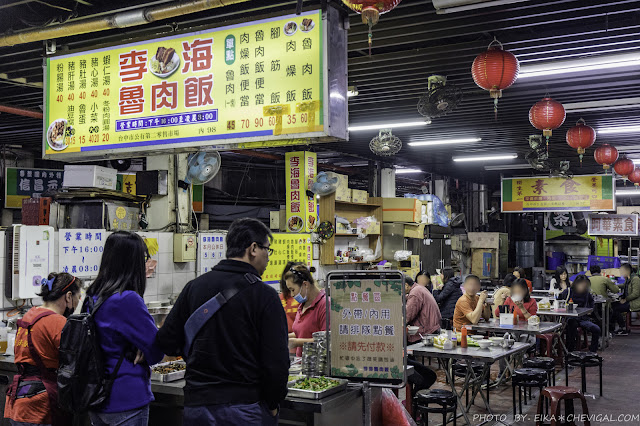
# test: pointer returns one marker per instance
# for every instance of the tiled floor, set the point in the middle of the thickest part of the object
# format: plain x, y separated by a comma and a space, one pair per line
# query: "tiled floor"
621, 389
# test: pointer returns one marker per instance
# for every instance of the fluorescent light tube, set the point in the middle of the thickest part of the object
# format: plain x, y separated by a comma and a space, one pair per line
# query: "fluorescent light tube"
602, 105
444, 142
486, 158
510, 166
579, 65
407, 171
387, 126
628, 192
620, 129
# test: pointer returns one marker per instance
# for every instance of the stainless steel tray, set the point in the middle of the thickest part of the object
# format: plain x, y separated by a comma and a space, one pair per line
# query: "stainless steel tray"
307, 394
171, 377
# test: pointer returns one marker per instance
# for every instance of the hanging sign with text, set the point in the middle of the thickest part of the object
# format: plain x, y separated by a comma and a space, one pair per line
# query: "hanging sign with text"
212, 248
29, 183
262, 80
552, 194
301, 170
367, 320
613, 224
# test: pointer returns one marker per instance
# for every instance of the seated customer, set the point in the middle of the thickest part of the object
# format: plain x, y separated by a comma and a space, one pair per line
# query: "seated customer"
520, 300
599, 284
503, 292
560, 281
471, 307
424, 279
630, 301
422, 310
518, 271
579, 293
448, 296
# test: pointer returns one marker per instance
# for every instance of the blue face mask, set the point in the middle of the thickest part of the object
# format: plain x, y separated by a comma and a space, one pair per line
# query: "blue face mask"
298, 298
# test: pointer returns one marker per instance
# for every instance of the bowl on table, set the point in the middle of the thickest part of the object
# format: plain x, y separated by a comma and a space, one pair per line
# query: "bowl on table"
484, 344
412, 330
496, 341
477, 337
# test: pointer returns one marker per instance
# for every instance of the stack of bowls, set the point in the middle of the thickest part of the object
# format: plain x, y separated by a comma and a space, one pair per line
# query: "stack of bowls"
309, 358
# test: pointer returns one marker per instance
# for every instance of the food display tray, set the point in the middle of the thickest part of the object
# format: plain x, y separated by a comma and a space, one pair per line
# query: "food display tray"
307, 394
171, 377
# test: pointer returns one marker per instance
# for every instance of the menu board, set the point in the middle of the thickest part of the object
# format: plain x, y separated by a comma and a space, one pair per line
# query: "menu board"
367, 325
212, 248
301, 170
262, 80
80, 251
287, 247
552, 194
613, 224
23, 183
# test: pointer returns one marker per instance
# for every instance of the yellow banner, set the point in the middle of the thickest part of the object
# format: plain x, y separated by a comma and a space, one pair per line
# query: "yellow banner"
301, 170
589, 192
287, 247
246, 82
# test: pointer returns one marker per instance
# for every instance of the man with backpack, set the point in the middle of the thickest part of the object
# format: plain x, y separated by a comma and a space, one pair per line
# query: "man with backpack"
232, 331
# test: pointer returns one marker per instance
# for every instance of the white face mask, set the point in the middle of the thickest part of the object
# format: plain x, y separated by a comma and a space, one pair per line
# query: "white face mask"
516, 298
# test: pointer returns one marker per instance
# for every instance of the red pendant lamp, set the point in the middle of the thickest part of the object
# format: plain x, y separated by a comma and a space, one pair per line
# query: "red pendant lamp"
547, 115
634, 176
371, 11
624, 167
495, 70
606, 155
581, 137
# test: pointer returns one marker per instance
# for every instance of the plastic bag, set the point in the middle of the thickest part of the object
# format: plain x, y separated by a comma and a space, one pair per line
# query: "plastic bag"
393, 412
401, 255
440, 214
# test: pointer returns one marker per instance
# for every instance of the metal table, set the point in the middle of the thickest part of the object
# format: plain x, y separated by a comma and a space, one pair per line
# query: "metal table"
520, 328
485, 356
562, 316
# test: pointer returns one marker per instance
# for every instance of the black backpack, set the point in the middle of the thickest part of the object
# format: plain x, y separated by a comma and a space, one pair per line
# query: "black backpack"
83, 384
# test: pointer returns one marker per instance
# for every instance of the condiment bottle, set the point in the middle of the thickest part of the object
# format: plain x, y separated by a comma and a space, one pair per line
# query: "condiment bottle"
463, 339
515, 317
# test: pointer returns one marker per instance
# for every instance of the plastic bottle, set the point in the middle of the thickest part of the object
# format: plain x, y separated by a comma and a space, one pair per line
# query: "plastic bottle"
463, 339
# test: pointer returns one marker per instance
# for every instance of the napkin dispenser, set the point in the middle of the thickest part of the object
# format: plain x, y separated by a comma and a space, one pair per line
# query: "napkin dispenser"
506, 319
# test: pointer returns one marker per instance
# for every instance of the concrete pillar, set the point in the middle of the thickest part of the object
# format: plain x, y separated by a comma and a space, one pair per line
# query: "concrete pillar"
388, 183
162, 209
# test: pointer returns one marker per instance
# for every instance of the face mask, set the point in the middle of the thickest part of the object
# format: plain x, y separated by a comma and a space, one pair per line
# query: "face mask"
516, 298
298, 298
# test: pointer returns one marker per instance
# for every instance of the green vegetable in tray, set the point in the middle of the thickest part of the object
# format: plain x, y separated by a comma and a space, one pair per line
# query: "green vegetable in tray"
316, 384
293, 378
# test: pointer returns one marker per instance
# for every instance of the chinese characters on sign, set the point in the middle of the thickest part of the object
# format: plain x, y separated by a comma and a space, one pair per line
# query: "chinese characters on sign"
287, 247
301, 169
367, 321
29, 183
80, 251
212, 248
255, 80
544, 194
613, 224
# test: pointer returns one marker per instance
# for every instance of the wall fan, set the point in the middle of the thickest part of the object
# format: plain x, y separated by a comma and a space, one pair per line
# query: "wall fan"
385, 144
441, 98
326, 183
202, 167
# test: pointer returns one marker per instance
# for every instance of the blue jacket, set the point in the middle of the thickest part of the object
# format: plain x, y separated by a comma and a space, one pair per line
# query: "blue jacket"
448, 296
123, 324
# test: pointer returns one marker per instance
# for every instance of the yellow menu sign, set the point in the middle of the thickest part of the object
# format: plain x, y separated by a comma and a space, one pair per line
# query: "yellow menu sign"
552, 194
286, 248
262, 80
301, 170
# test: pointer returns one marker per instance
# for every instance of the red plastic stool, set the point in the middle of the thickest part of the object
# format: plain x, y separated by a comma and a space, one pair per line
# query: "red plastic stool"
546, 346
557, 394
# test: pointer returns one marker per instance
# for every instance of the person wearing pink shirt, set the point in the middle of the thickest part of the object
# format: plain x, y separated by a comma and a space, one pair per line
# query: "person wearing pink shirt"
422, 310
312, 311
520, 301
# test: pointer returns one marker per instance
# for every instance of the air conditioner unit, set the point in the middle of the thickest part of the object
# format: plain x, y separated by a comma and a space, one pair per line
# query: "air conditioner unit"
30, 258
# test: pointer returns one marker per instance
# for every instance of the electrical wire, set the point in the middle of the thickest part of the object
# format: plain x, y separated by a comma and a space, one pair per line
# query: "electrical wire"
17, 309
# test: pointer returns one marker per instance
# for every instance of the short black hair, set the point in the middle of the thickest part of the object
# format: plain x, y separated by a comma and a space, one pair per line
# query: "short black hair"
520, 270
62, 283
243, 233
595, 269
580, 278
425, 273
522, 283
508, 280
472, 277
627, 266
122, 266
408, 280
447, 273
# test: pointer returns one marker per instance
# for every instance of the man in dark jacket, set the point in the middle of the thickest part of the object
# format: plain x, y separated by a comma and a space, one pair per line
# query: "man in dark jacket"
237, 368
449, 294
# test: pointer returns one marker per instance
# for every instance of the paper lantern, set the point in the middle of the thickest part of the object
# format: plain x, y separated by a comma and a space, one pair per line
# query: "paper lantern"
624, 167
581, 137
371, 11
547, 115
495, 70
606, 155
634, 176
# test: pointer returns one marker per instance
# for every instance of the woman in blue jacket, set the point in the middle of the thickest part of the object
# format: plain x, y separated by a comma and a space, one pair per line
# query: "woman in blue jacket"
449, 294
125, 329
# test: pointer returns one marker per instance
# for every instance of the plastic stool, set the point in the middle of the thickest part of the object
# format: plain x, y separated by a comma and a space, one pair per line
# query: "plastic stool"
557, 394
546, 346
446, 401
527, 378
545, 363
583, 360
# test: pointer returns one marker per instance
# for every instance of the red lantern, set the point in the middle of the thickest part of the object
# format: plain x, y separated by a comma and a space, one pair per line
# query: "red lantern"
371, 11
606, 155
624, 167
495, 70
581, 137
547, 115
634, 177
